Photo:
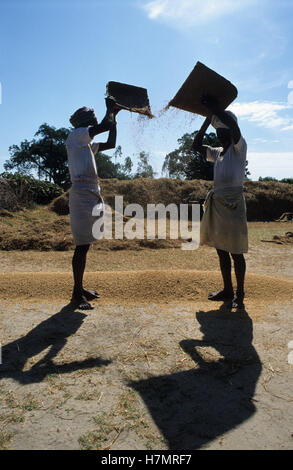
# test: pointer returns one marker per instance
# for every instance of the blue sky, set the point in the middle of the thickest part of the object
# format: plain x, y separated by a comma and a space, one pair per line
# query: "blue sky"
56, 56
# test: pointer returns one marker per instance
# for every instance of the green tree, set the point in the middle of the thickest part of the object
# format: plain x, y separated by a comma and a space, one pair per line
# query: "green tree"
45, 154
144, 169
126, 168
108, 169
183, 162
267, 178
123, 170
117, 153
287, 180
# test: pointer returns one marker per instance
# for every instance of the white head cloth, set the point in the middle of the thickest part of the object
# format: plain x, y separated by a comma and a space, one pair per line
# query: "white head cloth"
216, 123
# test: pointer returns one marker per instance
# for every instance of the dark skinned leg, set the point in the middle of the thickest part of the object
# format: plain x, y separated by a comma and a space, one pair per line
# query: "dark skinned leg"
225, 265
239, 268
78, 267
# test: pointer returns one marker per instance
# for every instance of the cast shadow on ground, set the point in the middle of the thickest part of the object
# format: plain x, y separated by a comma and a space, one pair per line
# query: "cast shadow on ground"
193, 407
52, 333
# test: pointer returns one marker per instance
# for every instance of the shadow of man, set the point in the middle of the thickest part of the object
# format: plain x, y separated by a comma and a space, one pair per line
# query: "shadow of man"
193, 407
52, 333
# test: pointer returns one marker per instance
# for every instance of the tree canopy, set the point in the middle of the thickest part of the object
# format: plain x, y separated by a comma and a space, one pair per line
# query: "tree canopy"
108, 169
144, 169
46, 155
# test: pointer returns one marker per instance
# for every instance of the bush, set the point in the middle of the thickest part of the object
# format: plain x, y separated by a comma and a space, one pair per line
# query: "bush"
8, 200
29, 190
287, 180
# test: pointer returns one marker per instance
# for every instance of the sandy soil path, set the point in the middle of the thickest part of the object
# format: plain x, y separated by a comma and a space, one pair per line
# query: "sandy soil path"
174, 376
154, 365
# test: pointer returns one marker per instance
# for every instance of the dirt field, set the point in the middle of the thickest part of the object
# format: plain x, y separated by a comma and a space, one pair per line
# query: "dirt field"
154, 365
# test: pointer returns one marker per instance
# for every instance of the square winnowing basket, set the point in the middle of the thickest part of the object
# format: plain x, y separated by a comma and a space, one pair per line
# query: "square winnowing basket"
203, 81
129, 97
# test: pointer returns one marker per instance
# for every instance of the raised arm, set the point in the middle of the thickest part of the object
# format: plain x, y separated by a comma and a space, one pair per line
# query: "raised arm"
108, 123
197, 143
212, 105
111, 142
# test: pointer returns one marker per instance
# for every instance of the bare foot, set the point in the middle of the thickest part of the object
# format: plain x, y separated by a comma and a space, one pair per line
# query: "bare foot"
238, 302
90, 294
221, 295
81, 303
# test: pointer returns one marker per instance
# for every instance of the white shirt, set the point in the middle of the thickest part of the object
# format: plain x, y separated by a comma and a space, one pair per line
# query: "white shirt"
229, 169
80, 154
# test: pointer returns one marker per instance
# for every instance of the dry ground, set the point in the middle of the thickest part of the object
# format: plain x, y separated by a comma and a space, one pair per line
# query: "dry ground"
154, 365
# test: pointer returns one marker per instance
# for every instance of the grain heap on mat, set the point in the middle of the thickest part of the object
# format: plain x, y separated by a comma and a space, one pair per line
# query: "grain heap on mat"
140, 286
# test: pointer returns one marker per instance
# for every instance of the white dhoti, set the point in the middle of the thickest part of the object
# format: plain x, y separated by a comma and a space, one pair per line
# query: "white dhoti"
224, 223
86, 208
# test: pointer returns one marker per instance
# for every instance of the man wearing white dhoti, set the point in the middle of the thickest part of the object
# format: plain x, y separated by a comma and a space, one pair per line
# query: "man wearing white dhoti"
224, 224
84, 196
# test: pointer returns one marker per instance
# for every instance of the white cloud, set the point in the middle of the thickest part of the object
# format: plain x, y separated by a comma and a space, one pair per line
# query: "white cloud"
191, 12
290, 96
276, 164
288, 128
264, 113
265, 141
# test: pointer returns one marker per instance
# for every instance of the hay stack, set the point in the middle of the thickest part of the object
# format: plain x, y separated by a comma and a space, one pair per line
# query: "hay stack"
60, 205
